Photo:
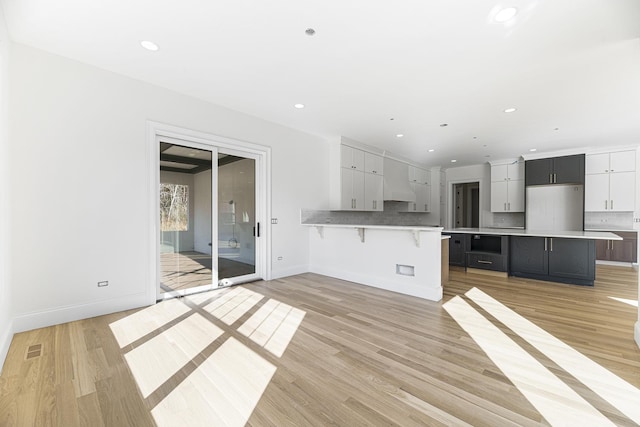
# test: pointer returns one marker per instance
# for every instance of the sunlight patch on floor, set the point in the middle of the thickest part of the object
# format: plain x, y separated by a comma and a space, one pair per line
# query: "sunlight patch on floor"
630, 302
233, 304
273, 326
619, 393
158, 359
137, 325
223, 391
225, 388
559, 404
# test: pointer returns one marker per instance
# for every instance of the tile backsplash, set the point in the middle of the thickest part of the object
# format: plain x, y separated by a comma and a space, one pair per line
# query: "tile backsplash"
608, 220
508, 219
392, 215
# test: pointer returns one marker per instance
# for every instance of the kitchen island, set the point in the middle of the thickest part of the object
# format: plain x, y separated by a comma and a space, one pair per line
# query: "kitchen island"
557, 256
404, 259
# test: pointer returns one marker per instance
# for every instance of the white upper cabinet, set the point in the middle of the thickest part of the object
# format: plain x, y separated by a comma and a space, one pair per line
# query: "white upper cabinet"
507, 187
507, 172
423, 197
610, 182
419, 175
618, 161
597, 163
373, 163
357, 184
622, 161
351, 158
373, 192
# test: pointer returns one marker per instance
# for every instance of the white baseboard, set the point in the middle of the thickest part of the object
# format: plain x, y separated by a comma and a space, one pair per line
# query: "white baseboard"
636, 333
5, 342
615, 263
291, 271
58, 315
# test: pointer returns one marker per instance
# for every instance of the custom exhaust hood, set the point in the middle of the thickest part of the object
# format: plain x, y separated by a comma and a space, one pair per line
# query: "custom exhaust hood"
396, 182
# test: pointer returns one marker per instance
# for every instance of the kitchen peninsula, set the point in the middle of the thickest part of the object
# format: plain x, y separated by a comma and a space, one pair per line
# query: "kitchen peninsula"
557, 256
404, 259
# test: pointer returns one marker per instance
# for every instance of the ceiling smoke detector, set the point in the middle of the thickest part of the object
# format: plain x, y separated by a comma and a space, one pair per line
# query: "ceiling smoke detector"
309, 31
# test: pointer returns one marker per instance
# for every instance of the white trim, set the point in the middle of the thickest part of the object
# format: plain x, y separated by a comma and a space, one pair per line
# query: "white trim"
449, 225
5, 342
636, 333
156, 130
59, 315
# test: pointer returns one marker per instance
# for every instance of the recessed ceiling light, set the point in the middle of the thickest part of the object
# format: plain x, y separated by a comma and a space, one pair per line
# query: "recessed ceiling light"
557, 129
299, 106
533, 149
510, 110
443, 125
310, 31
505, 14
391, 118
453, 161
431, 150
149, 45
399, 135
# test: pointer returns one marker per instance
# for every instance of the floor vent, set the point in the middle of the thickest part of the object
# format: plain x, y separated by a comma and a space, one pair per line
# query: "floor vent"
34, 351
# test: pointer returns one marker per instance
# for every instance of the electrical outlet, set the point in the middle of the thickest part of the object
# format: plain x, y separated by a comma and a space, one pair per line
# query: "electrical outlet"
274, 220
103, 283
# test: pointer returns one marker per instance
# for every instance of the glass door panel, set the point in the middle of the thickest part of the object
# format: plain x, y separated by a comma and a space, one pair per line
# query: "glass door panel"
186, 219
237, 226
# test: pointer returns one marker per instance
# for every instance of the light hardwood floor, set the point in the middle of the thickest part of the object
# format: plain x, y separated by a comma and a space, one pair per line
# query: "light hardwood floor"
312, 350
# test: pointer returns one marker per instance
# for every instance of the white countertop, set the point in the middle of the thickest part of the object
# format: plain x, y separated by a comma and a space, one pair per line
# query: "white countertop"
595, 235
381, 227
613, 230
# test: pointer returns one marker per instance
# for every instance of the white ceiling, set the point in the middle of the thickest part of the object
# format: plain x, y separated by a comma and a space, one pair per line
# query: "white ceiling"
570, 67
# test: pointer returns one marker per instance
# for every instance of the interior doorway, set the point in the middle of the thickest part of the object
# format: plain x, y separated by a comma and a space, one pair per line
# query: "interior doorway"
466, 205
210, 214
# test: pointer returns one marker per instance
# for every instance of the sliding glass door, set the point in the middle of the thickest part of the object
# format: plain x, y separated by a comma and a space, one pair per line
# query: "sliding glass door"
208, 218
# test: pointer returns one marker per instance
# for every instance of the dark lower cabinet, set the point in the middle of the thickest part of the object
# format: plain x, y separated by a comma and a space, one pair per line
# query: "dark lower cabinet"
529, 255
488, 252
554, 259
616, 250
458, 246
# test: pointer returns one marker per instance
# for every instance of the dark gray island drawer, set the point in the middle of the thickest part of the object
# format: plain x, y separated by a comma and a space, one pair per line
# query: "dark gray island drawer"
486, 261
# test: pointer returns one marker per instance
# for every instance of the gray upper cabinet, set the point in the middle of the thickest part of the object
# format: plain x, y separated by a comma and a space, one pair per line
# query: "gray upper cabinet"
555, 170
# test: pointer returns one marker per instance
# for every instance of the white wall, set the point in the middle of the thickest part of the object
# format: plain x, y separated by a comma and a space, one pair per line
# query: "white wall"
476, 173
78, 148
6, 327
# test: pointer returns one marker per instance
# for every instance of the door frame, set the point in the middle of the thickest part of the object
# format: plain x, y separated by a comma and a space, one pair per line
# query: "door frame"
157, 131
451, 220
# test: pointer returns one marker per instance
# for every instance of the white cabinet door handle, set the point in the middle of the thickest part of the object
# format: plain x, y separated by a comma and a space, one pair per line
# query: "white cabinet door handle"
606, 204
612, 205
